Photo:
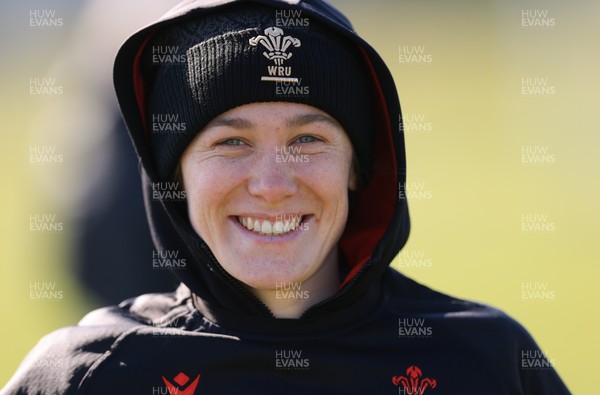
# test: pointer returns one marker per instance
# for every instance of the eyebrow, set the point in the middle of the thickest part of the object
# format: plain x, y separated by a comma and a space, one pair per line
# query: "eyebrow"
235, 123
305, 119
295, 121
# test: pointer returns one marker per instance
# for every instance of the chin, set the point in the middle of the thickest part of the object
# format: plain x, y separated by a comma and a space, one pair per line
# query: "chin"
269, 273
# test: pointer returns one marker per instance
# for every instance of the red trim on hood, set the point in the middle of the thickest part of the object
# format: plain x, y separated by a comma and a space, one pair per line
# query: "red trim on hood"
377, 200
139, 86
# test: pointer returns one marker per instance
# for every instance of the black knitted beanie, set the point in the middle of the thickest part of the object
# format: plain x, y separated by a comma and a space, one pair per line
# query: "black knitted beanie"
246, 53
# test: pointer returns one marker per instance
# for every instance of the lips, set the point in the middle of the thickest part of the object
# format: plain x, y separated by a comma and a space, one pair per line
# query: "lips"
280, 226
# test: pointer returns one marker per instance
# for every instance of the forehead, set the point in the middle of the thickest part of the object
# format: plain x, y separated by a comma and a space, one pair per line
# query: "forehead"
284, 114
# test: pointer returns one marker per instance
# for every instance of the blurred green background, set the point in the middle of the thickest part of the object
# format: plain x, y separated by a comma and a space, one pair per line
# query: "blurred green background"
500, 104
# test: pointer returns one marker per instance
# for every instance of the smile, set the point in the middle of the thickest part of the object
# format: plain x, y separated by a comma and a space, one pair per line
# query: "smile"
287, 224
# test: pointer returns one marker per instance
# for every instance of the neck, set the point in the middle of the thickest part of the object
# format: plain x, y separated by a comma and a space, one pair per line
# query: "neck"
292, 299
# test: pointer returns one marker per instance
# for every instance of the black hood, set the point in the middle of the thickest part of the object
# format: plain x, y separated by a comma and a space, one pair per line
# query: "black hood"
378, 225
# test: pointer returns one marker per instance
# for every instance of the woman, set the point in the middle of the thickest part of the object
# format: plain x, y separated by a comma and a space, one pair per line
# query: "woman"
265, 131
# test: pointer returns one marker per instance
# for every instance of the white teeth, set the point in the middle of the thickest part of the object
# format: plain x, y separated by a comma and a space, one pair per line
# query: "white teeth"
266, 228
277, 228
271, 228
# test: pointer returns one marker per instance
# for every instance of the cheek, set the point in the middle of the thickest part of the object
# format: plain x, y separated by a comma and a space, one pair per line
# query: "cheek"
335, 167
211, 176
327, 176
206, 185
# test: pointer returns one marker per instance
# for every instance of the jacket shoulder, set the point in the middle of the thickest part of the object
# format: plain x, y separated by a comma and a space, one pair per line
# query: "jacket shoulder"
483, 333
408, 296
61, 359
477, 325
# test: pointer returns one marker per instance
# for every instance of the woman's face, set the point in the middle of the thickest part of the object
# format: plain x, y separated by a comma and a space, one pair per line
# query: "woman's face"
267, 187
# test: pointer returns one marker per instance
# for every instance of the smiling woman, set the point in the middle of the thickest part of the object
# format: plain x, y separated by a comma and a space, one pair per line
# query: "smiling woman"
285, 209
258, 214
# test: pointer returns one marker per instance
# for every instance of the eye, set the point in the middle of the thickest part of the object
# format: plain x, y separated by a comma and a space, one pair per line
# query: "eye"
307, 139
233, 142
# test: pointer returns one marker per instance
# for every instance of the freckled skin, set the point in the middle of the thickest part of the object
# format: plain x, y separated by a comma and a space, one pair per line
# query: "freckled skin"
231, 169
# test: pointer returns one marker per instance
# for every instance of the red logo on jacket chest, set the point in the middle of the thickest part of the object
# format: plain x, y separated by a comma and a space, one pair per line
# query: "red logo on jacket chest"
412, 383
181, 380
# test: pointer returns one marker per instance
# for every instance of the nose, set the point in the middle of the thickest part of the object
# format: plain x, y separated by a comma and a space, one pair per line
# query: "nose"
271, 179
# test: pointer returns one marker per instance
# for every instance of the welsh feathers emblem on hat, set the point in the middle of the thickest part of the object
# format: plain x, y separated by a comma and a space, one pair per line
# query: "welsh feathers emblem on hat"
276, 44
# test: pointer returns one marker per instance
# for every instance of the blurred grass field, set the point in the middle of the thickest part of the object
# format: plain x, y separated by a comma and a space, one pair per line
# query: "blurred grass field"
467, 225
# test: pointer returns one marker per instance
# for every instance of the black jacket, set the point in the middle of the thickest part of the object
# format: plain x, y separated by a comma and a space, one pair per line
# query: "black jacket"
381, 333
